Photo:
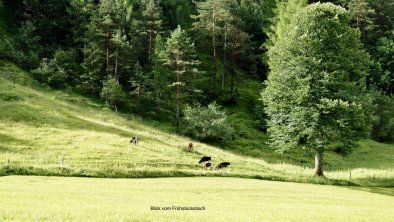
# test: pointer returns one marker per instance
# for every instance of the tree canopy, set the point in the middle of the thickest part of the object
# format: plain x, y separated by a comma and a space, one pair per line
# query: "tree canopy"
314, 94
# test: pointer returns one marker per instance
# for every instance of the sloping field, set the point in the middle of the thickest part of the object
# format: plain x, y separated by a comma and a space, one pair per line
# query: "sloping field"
47, 132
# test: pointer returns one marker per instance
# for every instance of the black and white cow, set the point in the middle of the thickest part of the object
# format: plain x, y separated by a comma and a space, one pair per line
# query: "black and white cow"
222, 165
206, 161
134, 140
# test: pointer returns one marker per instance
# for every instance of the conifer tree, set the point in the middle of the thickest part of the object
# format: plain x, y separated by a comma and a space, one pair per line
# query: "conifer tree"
139, 84
210, 19
150, 24
106, 40
181, 57
159, 77
238, 41
120, 47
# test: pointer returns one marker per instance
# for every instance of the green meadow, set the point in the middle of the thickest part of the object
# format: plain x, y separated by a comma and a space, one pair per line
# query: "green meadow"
267, 85
47, 132
30, 198
44, 133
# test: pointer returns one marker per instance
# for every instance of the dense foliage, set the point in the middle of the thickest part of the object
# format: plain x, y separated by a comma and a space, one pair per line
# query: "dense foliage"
180, 56
383, 124
207, 123
119, 49
315, 92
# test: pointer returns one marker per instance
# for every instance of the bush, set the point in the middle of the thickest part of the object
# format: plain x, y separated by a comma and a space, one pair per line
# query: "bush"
383, 124
207, 123
66, 59
113, 93
50, 73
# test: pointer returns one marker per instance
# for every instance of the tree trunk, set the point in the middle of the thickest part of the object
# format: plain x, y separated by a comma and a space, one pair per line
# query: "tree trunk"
224, 57
214, 65
319, 164
138, 98
232, 71
150, 46
107, 49
214, 70
116, 66
177, 100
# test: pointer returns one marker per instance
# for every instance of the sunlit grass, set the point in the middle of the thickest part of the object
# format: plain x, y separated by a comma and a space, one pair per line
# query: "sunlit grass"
46, 132
224, 199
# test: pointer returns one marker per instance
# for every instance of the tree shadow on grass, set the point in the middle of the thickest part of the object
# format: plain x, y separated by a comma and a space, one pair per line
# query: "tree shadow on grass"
6, 142
389, 191
62, 118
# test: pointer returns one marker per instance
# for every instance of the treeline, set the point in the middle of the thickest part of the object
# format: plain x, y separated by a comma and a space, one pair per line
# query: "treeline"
121, 49
152, 57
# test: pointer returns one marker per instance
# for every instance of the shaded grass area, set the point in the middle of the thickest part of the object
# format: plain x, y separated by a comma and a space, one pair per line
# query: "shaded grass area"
47, 132
380, 184
224, 199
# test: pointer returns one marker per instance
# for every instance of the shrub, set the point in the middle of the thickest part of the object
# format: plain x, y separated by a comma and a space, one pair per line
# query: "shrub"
207, 123
113, 93
66, 59
50, 73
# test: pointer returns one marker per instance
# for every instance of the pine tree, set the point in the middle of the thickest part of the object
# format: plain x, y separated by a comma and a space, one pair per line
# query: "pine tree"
79, 13
315, 92
211, 18
238, 40
362, 15
139, 84
113, 93
181, 57
159, 77
383, 17
150, 24
375, 19
120, 45
106, 42
360, 11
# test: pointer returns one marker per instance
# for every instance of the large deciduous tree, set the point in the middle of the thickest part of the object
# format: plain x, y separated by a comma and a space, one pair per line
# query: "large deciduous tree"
314, 95
181, 57
284, 13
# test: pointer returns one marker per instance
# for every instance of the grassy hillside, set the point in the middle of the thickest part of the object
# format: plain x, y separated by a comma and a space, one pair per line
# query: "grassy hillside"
224, 199
41, 127
250, 141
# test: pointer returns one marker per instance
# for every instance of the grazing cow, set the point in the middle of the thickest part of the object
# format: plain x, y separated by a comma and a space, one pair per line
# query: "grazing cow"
190, 147
208, 164
134, 140
205, 159
222, 165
